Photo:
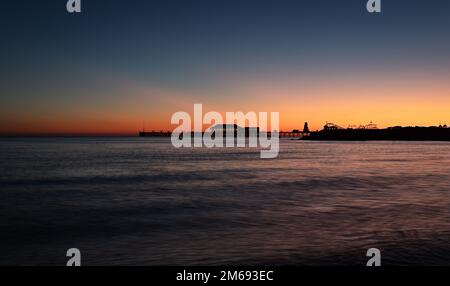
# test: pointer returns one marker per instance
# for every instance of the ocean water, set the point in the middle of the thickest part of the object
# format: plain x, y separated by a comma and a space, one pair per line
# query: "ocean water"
139, 201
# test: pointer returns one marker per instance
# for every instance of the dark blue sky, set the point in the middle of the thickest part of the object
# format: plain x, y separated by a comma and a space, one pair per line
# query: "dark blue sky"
169, 41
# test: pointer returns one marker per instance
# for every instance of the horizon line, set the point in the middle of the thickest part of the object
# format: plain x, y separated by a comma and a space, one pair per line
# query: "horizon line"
136, 133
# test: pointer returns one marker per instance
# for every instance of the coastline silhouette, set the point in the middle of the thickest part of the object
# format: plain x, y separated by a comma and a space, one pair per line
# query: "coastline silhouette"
333, 132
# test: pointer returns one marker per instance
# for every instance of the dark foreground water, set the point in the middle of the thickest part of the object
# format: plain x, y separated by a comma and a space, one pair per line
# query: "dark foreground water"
138, 201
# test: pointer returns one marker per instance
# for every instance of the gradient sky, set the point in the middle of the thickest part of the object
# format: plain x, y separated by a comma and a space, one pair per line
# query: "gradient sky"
119, 62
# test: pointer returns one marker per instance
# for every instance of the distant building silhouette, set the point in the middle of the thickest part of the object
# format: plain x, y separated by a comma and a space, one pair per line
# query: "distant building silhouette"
334, 132
231, 128
235, 129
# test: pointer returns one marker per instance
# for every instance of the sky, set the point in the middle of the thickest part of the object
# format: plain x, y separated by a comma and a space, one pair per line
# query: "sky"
120, 64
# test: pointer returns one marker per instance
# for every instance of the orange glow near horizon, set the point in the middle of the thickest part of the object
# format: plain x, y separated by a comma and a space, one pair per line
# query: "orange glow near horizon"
386, 103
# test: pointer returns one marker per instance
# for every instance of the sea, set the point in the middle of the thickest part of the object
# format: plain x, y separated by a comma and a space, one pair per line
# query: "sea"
140, 201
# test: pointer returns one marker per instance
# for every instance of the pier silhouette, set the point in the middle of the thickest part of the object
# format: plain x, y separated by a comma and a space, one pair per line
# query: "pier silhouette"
333, 132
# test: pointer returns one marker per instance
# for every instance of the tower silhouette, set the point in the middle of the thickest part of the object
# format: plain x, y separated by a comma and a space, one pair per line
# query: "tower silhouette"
306, 128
